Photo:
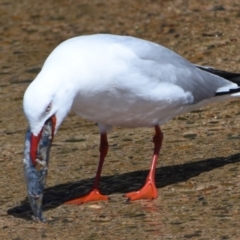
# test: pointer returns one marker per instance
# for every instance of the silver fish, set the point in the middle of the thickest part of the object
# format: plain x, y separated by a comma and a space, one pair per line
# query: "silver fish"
35, 175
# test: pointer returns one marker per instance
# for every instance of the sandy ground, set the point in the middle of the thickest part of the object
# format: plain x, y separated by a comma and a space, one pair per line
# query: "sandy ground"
198, 172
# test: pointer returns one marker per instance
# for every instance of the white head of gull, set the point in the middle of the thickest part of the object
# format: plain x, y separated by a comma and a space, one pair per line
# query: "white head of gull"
118, 81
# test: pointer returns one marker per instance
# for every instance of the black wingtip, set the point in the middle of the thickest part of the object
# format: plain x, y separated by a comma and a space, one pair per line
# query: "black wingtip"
231, 76
230, 91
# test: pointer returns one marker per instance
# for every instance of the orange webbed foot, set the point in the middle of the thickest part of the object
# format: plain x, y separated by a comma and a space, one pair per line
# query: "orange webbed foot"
93, 195
148, 191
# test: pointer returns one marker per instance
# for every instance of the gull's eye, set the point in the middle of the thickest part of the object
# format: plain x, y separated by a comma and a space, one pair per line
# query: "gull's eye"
49, 107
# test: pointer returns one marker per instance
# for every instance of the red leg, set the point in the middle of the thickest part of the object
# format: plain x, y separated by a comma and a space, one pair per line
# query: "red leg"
149, 190
94, 194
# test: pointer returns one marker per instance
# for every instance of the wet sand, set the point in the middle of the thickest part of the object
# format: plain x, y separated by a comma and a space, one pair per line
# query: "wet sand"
198, 171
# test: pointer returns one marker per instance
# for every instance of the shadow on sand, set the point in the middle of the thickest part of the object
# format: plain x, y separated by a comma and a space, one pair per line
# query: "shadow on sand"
123, 183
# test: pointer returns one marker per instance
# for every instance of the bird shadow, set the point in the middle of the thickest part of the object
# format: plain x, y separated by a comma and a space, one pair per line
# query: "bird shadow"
122, 183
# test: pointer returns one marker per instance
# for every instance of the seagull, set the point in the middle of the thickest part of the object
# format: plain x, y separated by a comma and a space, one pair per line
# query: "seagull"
116, 81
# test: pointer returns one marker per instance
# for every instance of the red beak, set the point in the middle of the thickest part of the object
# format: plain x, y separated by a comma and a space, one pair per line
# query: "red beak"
35, 141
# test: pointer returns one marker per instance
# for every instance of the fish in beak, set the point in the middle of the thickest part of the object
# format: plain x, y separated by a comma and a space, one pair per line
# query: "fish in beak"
36, 158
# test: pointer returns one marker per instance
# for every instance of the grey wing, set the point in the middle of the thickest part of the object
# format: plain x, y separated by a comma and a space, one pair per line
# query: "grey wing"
167, 66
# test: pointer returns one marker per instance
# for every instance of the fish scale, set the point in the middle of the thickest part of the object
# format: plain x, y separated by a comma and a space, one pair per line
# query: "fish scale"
35, 175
